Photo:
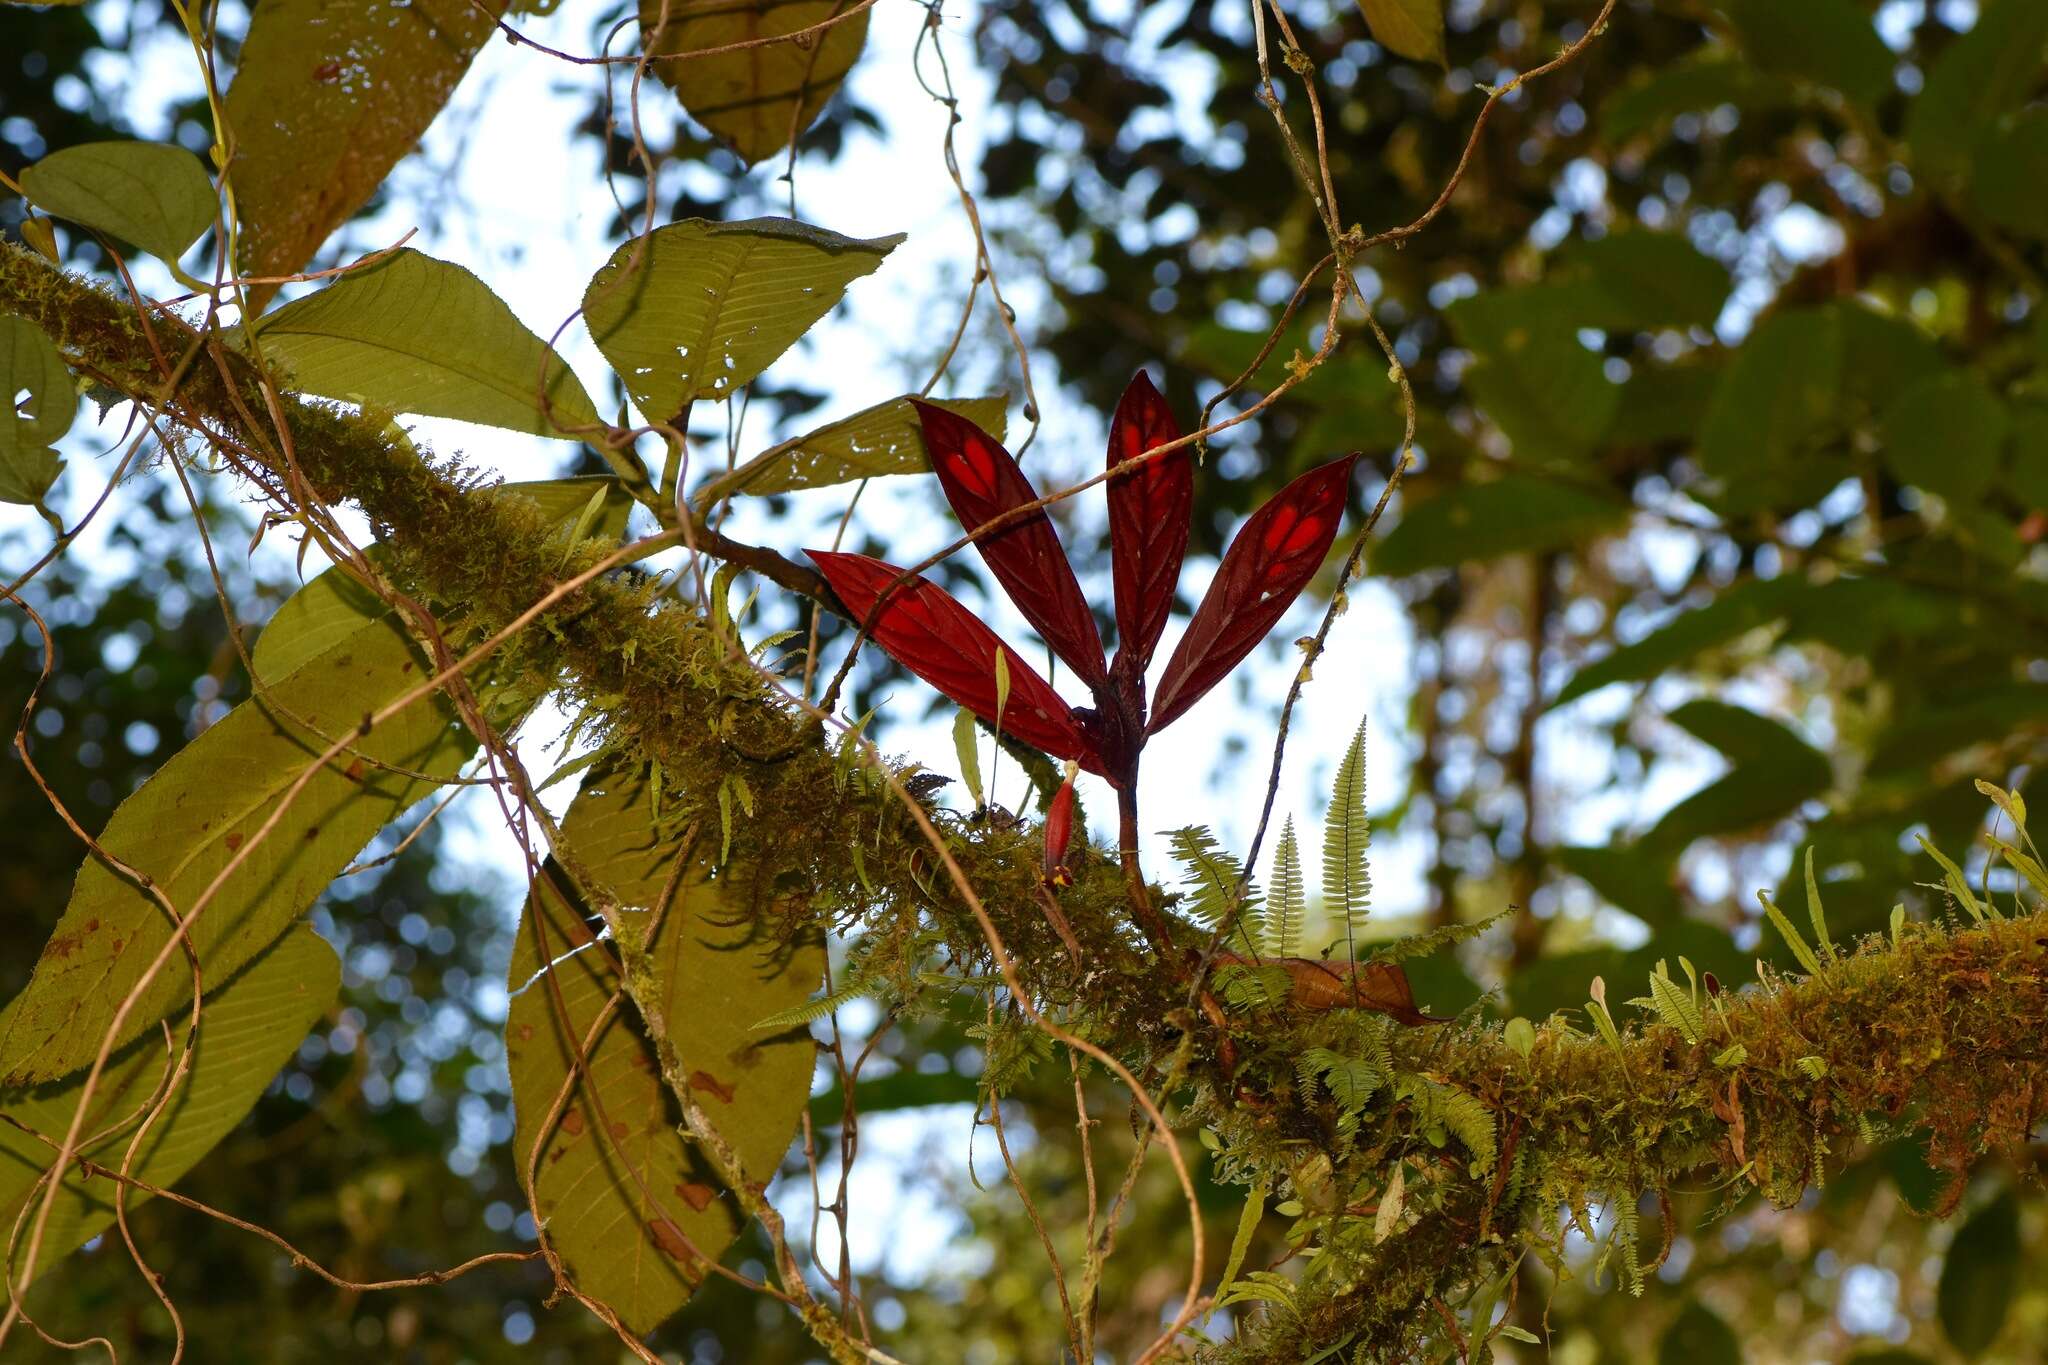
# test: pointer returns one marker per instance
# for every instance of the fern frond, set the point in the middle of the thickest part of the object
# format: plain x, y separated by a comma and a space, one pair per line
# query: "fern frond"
1211, 877
1347, 836
1351, 1080
1674, 1006
1288, 905
811, 1011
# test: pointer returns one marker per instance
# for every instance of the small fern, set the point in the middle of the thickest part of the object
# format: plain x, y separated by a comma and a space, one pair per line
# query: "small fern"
1442, 1110
1211, 877
1288, 905
1674, 1006
1351, 1081
1347, 839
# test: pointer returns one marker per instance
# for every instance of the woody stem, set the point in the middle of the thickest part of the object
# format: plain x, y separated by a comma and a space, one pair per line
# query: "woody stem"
1142, 910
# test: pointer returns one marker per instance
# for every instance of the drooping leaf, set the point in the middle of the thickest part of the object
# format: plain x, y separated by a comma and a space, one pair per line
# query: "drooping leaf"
1708, 78
1323, 984
629, 1204
1640, 279
1347, 842
334, 606
1980, 1276
1773, 771
1829, 42
29, 464
696, 309
1981, 76
191, 819
1729, 615
249, 1027
1945, 434
1777, 394
1408, 28
982, 482
1269, 562
150, 193
759, 99
1518, 514
1546, 392
326, 98
967, 746
873, 443
1150, 510
413, 334
932, 635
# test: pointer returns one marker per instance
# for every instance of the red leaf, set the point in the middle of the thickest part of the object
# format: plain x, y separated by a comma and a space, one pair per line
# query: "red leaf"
982, 482
1275, 554
932, 635
1148, 524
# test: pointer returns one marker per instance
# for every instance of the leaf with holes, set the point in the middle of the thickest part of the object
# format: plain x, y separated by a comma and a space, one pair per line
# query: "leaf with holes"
631, 1207
149, 193
871, 444
759, 99
250, 1027
696, 309
29, 464
413, 334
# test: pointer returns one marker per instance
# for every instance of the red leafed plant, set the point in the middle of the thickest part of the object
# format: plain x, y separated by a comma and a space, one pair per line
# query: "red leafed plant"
923, 627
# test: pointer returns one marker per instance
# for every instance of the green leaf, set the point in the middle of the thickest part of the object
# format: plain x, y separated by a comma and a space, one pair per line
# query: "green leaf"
361, 83
1211, 876
413, 334
1520, 1035
1518, 514
1287, 908
757, 99
1979, 78
622, 1193
696, 309
1980, 1276
1241, 1242
2010, 168
29, 465
1547, 393
249, 1027
1731, 614
1776, 396
1347, 842
1773, 772
1816, 914
187, 823
149, 193
1408, 28
967, 745
1790, 933
1945, 433
1958, 885
1709, 77
1640, 279
1829, 42
1698, 1336
333, 606
2029, 453
873, 443
1676, 1008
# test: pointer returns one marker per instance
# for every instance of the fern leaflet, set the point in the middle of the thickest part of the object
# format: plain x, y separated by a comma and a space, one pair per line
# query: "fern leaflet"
1289, 903
1347, 836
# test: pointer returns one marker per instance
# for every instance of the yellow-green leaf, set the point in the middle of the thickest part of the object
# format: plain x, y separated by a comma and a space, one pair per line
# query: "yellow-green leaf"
624, 1197
328, 96
874, 442
28, 461
150, 193
413, 334
249, 1027
696, 309
758, 99
189, 821
1410, 28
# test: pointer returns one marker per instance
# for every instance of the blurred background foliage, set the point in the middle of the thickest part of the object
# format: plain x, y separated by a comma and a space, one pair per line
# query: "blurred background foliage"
1732, 365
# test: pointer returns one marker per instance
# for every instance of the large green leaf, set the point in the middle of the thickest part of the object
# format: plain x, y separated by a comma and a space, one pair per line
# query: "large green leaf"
29, 465
758, 99
1478, 522
327, 97
1983, 75
1777, 394
877, 441
1945, 434
1698, 1336
1980, 1275
1773, 771
1546, 392
249, 1027
695, 309
149, 193
1708, 78
1409, 28
1882, 353
2028, 442
1643, 279
619, 1187
1731, 614
334, 607
2010, 169
413, 334
187, 823
1829, 42
1628, 877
